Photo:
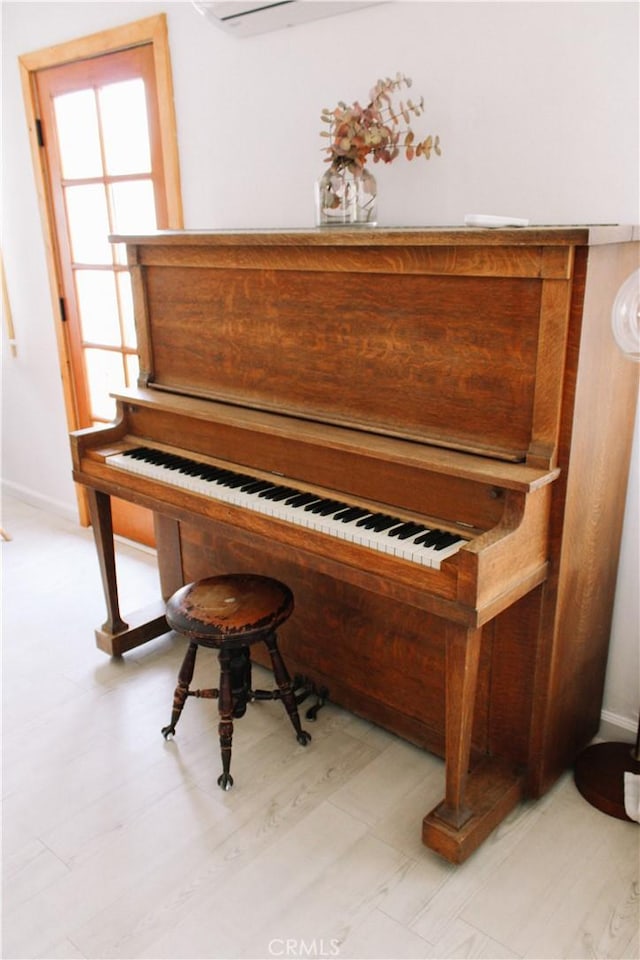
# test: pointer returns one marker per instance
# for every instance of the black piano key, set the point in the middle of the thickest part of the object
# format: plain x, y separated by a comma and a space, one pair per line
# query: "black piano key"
223, 477
257, 486
325, 507
315, 505
438, 539
302, 499
400, 530
171, 463
406, 530
192, 470
351, 513
419, 528
209, 473
206, 471
277, 493
379, 522
330, 508
446, 540
283, 494
368, 521
267, 494
429, 538
157, 456
238, 480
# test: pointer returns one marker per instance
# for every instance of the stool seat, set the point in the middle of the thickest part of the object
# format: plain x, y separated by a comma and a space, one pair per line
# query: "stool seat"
230, 613
233, 608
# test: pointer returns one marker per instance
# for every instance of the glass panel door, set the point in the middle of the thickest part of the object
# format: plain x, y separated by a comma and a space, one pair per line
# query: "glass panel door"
104, 146
104, 155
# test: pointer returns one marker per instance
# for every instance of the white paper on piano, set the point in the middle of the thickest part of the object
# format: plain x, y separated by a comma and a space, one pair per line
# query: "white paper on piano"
492, 220
632, 796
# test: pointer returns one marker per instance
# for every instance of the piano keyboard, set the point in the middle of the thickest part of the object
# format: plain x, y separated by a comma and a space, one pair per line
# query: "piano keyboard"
377, 531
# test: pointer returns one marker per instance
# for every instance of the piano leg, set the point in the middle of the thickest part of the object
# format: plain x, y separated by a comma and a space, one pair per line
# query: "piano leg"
463, 656
101, 521
475, 801
116, 636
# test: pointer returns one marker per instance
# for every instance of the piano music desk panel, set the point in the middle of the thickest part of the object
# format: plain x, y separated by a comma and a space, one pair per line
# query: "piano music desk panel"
390, 353
457, 387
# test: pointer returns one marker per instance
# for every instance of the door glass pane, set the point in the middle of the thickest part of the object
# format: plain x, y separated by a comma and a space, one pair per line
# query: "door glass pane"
126, 310
123, 109
88, 223
133, 206
98, 305
78, 136
133, 369
105, 372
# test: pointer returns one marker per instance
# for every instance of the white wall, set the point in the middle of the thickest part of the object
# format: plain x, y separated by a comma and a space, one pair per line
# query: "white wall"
536, 105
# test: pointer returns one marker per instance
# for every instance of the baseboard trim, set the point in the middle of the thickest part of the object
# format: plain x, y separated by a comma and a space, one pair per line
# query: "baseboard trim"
58, 509
41, 502
613, 726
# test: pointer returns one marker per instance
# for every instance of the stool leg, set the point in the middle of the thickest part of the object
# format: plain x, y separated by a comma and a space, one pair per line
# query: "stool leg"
182, 690
225, 727
285, 687
240, 663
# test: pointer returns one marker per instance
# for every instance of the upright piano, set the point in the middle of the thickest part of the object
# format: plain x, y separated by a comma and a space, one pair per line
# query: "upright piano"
426, 433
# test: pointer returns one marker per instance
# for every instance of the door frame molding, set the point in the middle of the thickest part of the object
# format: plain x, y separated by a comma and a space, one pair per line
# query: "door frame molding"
151, 30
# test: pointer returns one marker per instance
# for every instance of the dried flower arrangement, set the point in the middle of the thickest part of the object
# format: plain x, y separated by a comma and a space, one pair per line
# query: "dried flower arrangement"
357, 132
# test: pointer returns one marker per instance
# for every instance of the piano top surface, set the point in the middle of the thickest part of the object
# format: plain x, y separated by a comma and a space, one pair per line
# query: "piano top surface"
389, 236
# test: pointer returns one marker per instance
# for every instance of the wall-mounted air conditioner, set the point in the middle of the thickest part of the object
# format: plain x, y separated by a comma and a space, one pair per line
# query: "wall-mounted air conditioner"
247, 19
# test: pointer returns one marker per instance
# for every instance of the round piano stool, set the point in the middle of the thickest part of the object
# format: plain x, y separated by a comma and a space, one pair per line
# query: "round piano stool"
230, 613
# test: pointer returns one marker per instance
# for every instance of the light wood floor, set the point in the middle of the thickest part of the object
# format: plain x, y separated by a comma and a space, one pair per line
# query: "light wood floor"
119, 844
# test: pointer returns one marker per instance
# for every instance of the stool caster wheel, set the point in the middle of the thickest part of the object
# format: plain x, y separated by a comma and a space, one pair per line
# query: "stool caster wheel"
225, 781
168, 732
303, 737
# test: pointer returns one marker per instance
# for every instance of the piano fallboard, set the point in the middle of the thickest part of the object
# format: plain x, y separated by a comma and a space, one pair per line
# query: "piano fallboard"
491, 507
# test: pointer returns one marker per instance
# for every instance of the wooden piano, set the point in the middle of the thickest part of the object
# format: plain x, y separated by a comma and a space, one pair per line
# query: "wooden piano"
426, 433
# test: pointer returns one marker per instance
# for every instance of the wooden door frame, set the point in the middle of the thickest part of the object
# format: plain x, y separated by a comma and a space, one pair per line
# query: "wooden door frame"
152, 30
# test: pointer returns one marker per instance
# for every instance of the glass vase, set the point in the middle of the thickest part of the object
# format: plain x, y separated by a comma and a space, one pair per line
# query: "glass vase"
346, 196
